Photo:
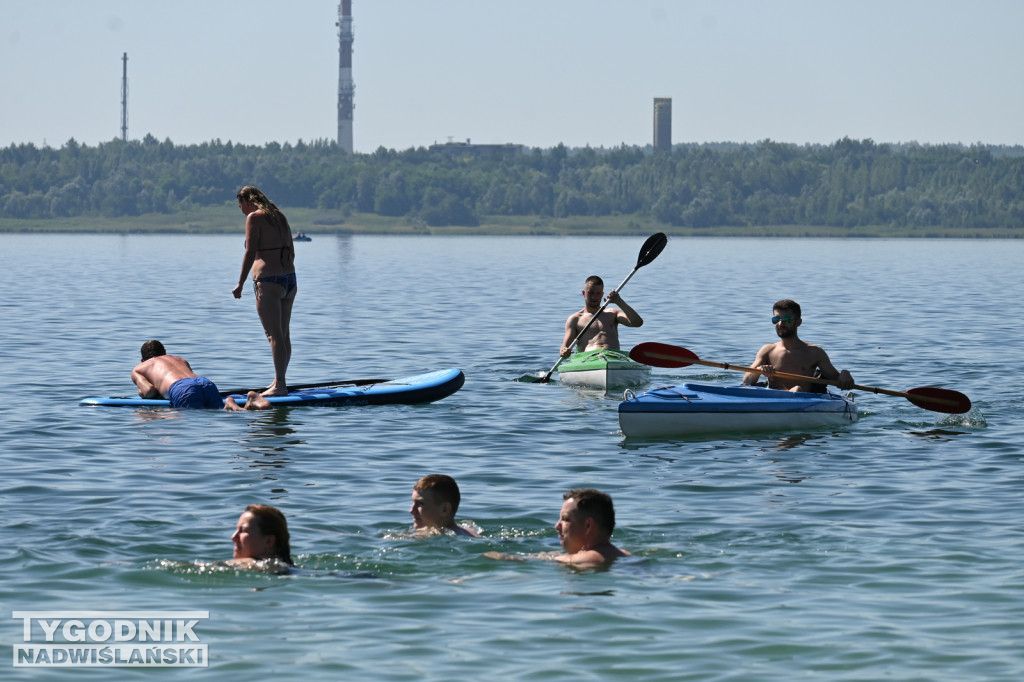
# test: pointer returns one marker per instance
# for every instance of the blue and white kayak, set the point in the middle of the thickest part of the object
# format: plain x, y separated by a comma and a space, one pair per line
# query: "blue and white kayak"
603, 368
697, 409
422, 388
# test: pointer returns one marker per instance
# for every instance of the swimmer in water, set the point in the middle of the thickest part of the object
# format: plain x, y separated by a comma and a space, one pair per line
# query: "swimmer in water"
584, 528
261, 539
435, 500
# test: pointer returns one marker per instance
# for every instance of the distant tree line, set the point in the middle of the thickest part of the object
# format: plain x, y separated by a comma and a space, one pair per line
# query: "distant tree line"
848, 184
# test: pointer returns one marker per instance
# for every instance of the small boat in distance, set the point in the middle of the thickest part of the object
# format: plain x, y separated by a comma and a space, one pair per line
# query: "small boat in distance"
301, 237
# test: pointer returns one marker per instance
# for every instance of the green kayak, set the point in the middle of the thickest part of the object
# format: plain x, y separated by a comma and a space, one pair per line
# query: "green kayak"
603, 368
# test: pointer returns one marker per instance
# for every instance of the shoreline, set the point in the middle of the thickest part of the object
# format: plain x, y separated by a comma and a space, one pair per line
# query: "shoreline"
313, 222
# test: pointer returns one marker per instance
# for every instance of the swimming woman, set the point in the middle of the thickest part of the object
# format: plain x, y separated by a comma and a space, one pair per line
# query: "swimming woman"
261, 536
270, 254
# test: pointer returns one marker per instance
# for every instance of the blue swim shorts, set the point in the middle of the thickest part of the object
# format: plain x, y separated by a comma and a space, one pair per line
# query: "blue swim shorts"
196, 393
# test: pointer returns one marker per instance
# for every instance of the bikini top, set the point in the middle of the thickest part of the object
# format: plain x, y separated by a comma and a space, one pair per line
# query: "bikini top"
279, 248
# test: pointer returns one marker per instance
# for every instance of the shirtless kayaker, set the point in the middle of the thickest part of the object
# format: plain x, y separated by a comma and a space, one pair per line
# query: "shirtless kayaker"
604, 333
792, 355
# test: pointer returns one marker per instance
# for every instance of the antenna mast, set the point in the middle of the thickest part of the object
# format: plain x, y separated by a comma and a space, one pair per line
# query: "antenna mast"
124, 98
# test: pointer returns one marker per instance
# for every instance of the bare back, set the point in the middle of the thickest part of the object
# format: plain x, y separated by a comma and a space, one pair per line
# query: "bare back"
602, 554
271, 244
160, 373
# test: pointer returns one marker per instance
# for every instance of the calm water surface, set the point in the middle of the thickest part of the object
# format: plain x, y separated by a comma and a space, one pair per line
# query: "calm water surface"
888, 549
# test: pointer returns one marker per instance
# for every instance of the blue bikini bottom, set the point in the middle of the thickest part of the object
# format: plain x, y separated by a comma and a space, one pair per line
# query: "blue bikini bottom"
287, 281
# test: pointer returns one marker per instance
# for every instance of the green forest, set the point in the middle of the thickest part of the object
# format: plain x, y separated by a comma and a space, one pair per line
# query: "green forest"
847, 185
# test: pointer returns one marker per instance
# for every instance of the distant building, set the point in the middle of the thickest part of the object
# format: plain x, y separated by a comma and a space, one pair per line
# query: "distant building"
468, 149
663, 123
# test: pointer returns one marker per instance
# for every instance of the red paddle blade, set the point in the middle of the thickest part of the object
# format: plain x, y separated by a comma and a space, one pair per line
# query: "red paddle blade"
939, 400
662, 355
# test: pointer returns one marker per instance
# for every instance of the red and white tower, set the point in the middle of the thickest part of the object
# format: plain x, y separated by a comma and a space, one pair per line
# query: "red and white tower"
346, 89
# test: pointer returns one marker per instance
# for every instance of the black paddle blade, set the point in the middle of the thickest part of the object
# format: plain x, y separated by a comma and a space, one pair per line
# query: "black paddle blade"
530, 379
662, 355
939, 400
654, 245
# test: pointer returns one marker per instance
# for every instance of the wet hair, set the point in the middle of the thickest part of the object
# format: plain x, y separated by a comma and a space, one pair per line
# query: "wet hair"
790, 305
152, 349
595, 504
594, 279
271, 521
258, 199
444, 488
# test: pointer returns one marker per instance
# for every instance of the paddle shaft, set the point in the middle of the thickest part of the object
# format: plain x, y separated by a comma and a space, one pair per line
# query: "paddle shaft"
593, 318
321, 384
797, 377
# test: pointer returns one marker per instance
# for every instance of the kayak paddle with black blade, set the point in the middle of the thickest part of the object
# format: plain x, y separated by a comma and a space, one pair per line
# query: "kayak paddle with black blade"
648, 252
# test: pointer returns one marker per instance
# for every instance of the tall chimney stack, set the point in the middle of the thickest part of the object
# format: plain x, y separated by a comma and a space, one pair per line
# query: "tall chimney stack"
663, 124
346, 89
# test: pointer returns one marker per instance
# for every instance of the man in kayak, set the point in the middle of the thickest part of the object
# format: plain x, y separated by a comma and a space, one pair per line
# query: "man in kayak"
792, 355
585, 527
604, 332
160, 375
435, 500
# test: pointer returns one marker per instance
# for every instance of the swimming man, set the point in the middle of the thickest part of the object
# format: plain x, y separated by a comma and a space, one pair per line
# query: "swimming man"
585, 527
435, 500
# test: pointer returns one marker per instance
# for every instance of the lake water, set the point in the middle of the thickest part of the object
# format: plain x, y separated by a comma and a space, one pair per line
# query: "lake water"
891, 548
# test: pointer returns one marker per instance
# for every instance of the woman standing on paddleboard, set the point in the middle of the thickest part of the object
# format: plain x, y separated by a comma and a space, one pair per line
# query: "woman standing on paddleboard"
270, 254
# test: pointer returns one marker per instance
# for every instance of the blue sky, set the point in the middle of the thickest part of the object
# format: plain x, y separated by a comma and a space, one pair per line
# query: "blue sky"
533, 72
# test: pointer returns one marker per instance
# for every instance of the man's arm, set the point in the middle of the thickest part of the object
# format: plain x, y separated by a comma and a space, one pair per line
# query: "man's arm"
570, 334
844, 379
627, 316
146, 388
750, 378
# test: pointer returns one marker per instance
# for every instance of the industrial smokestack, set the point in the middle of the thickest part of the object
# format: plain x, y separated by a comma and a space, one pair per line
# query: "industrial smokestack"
124, 98
663, 124
346, 89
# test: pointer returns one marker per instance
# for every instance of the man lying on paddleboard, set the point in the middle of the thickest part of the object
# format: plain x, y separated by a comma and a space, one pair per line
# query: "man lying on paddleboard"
160, 375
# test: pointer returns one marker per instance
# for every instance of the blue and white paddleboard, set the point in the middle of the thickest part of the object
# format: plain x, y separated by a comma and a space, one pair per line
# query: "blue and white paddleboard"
422, 388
